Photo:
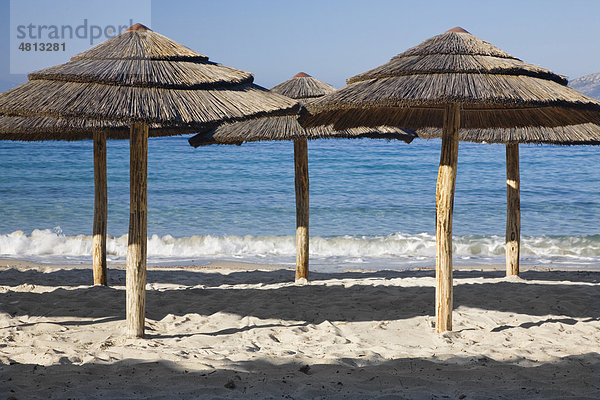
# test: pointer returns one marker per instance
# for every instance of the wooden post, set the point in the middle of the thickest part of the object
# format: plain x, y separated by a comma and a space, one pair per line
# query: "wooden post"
100, 210
136, 248
513, 209
302, 207
444, 200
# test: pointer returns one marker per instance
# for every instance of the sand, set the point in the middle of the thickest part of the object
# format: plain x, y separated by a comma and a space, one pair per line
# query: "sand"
231, 330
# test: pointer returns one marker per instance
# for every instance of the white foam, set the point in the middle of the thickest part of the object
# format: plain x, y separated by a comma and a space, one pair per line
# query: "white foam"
53, 246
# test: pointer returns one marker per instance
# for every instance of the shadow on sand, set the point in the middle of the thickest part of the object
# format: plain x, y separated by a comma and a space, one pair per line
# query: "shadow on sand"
355, 378
116, 277
353, 303
411, 378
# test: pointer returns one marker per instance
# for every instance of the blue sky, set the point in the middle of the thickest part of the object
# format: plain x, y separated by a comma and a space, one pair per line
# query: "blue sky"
333, 40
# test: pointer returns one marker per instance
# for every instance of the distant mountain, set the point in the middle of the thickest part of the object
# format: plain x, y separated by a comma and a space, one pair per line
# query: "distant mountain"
588, 85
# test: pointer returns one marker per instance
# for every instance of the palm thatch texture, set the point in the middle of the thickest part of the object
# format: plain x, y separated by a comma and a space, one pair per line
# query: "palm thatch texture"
305, 89
135, 85
581, 134
288, 128
495, 90
142, 76
38, 128
458, 86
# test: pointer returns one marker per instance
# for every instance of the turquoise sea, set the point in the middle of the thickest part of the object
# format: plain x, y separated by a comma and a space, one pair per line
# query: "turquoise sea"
372, 203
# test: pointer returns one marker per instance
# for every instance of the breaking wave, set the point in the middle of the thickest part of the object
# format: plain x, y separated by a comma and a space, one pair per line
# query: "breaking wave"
392, 251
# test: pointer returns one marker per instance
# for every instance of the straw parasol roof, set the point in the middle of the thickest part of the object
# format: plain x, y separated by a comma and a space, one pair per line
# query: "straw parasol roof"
135, 85
457, 86
565, 135
495, 90
139, 76
38, 128
304, 88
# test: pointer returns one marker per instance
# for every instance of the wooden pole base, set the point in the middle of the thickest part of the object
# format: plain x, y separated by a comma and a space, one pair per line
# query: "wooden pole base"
302, 207
136, 248
513, 209
100, 210
444, 199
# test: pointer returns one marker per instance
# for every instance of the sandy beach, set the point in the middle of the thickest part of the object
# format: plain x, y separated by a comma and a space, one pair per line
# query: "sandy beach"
232, 330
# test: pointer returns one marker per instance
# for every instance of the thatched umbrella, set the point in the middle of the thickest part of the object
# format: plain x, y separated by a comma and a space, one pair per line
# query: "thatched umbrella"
305, 89
154, 86
456, 81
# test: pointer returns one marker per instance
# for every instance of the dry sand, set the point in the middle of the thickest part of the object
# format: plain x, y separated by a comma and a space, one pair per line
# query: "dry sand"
232, 330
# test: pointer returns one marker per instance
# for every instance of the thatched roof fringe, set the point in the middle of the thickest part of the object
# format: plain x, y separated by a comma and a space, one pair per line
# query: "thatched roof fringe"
487, 100
138, 76
584, 134
134, 104
305, 88
36, 128
287, 128
432, 89
494, 89
422, 117
146, 73
456, 63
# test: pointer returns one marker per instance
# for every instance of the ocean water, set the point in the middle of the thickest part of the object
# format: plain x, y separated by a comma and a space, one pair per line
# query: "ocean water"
372, 203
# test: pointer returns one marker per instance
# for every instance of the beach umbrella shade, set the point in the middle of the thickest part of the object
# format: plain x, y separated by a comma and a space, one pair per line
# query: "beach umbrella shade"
305, 89
456, 81
148, 85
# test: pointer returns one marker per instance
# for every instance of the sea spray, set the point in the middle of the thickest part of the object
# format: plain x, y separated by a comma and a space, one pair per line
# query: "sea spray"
397, 250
